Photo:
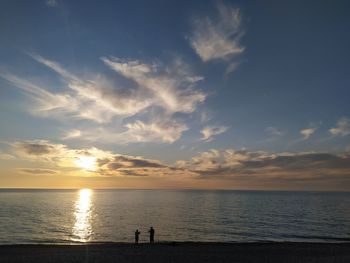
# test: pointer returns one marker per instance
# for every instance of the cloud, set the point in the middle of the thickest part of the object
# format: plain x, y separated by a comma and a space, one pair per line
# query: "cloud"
6, 156
105, 163
165, 131
263, 166
95, 97
254, 169
219, 37
38, 171
307, 132
58, 155
51, 3
342, 128
214, 160
55, 67
231, 67
155, 92
130, 166
72, 134
120, 161
274, 131
47, 103
171, 88
38, 147
209, 132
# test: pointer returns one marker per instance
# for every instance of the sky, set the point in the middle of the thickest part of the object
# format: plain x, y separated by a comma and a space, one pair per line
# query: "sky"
175, 94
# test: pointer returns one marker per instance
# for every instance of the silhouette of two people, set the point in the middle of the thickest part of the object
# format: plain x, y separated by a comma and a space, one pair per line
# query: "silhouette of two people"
151, 235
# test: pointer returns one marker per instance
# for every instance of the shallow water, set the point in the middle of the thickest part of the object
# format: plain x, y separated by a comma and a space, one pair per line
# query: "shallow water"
71, 216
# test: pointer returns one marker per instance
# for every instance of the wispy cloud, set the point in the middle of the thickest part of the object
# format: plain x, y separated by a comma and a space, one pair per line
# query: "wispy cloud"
98, 98
157, 130
342, 128
81, 101
72, 134
51, 3
46, 101
6, 156
209, 132
306, 133
38, 171
157, 92
171, 88
166, 131
218, 37
55, 67
274, 131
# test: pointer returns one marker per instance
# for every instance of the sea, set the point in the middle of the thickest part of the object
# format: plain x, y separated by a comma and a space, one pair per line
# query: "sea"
86, 215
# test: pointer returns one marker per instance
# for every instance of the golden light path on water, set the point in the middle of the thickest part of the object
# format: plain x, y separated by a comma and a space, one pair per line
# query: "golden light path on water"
82, 228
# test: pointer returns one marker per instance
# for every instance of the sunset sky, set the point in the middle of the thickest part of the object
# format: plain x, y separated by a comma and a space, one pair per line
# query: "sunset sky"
175, 94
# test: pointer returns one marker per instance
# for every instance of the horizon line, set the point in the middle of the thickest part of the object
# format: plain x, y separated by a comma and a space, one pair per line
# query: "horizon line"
178, 189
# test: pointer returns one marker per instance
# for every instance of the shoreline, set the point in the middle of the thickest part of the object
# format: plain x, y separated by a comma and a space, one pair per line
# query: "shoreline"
288, 252
121, 243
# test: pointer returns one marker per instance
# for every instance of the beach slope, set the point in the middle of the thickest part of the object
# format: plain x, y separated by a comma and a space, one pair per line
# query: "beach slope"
178, 252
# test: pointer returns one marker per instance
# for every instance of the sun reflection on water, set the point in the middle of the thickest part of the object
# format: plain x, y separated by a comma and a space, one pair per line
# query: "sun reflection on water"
82, 228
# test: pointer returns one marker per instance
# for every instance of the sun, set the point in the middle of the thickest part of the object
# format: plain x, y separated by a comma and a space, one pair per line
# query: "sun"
86, 162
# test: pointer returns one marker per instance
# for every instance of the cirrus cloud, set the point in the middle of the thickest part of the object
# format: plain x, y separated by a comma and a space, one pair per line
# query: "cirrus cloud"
165, 131
342, 128
209, 132
156, 92
172, 89
38, 171
307, 132
219, 37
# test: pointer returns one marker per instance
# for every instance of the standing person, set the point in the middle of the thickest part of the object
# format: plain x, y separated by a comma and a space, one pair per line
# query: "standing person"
151, 234
137, 234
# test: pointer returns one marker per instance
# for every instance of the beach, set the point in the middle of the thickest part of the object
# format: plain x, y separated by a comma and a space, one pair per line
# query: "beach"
178, 252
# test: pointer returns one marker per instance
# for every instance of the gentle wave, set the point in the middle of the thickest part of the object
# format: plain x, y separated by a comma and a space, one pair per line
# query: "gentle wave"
75, 217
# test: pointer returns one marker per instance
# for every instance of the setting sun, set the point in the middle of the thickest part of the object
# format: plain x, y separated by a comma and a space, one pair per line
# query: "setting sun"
86, 162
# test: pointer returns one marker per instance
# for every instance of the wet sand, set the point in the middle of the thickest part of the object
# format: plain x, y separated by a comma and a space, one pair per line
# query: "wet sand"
178, 252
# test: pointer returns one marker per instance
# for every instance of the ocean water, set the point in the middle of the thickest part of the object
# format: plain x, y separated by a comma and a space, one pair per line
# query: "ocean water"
75, 216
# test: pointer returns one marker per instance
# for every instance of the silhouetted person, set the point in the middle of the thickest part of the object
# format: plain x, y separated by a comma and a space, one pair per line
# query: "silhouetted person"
151, 235
137, 234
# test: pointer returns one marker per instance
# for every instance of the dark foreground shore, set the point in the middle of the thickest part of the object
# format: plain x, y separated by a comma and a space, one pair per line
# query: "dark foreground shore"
178, 252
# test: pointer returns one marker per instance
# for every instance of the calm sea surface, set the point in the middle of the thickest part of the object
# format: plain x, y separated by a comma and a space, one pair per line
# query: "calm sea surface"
73, 216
